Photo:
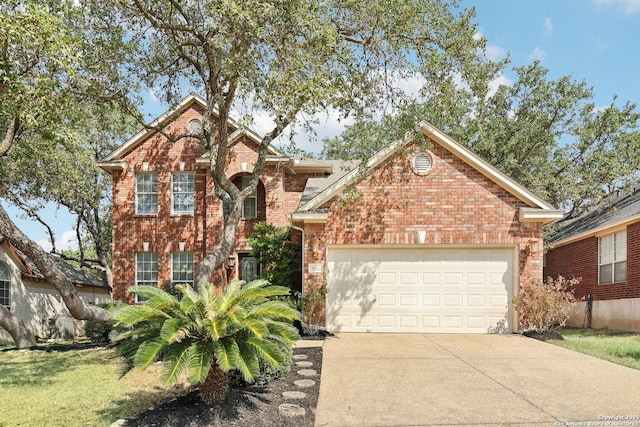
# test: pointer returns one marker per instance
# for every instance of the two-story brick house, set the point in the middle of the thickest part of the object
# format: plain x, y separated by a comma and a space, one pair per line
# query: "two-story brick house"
427, 237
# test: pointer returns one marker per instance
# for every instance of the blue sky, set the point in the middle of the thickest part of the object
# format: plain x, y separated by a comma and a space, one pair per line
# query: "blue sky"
593, 40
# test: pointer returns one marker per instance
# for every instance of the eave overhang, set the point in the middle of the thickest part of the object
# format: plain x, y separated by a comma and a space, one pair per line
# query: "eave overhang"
545, 216
597, 231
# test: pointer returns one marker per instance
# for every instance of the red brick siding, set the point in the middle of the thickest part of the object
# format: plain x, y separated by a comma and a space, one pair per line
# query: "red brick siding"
454, 203
279, 194
580, 259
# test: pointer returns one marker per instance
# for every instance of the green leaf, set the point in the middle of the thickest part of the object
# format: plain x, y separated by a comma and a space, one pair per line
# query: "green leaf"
174, 330
176, 359
200, 359
148, 352
226, 352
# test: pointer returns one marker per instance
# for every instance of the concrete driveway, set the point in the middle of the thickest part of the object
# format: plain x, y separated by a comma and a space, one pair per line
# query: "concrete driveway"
424, 379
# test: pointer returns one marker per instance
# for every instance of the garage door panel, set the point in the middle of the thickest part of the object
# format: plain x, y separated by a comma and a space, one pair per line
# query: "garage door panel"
431, 300
388, 300
418, 290
408, 300
431, 278
409, 278
386, 278
452, 300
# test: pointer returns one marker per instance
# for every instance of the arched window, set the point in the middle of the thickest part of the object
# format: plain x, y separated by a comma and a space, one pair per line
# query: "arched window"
5, 286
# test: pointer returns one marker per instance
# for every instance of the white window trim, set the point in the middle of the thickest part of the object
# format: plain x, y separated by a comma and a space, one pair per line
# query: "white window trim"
616, 259
193, 205
8, 282
138, 193
150, 283
173, 261
253, 196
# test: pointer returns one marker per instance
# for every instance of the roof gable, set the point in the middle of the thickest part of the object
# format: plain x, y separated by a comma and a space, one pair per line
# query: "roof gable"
538, 210
116, 157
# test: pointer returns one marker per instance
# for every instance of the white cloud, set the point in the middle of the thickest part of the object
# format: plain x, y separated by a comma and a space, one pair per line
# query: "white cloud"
500, 80
538, 54
153, 94
495, 53
548, 27
628, 6
66, 241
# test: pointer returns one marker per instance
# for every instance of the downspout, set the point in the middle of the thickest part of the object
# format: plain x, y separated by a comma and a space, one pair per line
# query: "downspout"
301, 230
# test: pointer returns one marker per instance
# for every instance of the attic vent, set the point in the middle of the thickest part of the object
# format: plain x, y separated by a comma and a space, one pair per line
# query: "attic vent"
195, 126
421, 164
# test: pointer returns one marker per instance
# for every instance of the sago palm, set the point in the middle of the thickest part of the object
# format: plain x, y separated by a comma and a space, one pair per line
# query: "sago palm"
206, 335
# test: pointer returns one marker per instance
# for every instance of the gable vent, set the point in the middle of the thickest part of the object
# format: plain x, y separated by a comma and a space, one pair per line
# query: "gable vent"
421, 164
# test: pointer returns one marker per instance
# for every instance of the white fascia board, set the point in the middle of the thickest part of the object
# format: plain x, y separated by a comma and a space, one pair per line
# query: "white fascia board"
334, 189
131, 142
301, 165
483, 166
309, 217
598, 231
545, 216
112, 165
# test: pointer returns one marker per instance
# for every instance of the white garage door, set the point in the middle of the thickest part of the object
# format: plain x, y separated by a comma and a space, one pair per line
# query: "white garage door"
448, 290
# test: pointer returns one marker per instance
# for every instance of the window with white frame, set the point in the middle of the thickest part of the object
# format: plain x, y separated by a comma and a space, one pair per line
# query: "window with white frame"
146, 193
5, 286
249, 207
146, 270
612, 257
182, 268
182, 187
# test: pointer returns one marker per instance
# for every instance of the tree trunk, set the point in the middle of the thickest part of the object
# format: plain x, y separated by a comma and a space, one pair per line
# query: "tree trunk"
214, 260
52, 273
215, 387
22, 337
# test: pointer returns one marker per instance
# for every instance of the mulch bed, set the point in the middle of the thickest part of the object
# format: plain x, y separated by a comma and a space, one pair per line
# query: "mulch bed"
248, 406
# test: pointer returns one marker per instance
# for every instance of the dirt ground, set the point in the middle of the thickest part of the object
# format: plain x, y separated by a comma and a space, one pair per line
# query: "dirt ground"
249, 406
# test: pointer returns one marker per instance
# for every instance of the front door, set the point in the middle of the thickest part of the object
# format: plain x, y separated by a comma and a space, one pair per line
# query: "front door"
248, 268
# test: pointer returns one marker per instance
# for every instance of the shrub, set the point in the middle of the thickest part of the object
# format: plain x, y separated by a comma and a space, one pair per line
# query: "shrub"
312, 305
268, 372
546, 306
280, 259
206, 335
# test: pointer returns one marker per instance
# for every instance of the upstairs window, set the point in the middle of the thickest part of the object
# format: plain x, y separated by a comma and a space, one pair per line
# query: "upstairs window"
182, 187
250, 206
146, 270
146, 193
5, 286
182, 268
612, 254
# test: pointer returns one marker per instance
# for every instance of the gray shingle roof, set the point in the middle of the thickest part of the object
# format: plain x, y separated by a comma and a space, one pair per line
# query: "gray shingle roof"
76, 275
316, 184
609, 213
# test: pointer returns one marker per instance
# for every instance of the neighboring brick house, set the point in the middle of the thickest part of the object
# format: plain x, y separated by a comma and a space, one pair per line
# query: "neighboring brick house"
425, 238
602, 248
26, 293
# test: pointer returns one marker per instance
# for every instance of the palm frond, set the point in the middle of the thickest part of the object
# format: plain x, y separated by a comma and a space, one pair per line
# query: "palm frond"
130, 315
148, 352
248, 362
274, 309
200, 360
283, 331
226, 351
265, 292
174, 330
269, 350
175, 358
257, 327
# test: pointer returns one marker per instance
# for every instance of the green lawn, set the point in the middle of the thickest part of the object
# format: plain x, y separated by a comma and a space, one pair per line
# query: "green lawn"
74, 388
622, 348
